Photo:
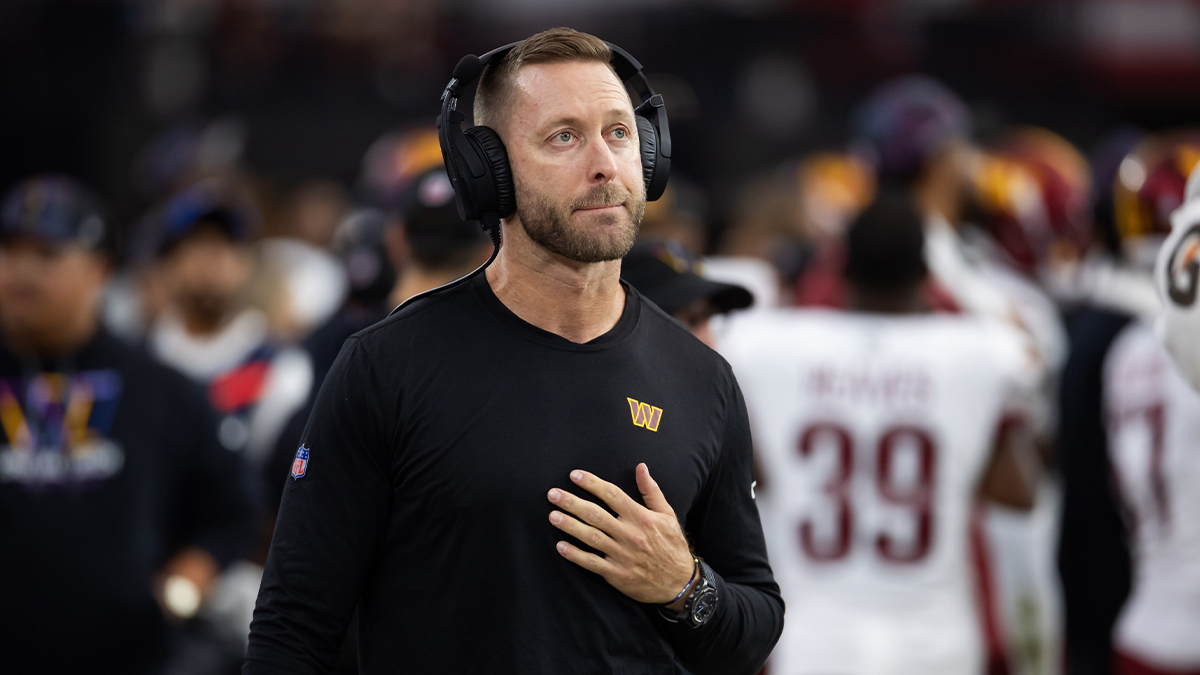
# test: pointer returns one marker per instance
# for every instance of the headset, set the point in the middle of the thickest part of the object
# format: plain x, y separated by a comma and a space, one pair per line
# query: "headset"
477, 161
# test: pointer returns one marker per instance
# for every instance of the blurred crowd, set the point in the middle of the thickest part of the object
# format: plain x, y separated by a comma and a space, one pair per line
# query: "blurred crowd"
155, 376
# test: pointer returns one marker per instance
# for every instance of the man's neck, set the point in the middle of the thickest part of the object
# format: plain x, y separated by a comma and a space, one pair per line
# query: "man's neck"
576, 301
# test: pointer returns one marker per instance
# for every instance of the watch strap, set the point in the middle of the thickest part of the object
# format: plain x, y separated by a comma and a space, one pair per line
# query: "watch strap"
705, 587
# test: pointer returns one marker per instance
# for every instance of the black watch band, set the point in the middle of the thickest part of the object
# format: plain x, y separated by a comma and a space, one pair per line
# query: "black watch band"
701, 605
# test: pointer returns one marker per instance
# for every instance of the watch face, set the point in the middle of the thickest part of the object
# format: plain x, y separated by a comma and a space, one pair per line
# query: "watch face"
706, 604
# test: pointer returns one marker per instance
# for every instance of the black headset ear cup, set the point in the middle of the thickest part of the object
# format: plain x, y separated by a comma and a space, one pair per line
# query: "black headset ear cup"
648, 140
497, 158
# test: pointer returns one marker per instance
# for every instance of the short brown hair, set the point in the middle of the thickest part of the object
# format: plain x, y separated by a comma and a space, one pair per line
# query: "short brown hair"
556, 45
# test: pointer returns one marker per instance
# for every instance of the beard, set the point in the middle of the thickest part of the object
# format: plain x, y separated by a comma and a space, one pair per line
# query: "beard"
207, 309
548, 223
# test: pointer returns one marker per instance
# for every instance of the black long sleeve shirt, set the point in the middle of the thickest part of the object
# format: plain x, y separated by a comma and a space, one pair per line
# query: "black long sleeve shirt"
109, 465
430, 451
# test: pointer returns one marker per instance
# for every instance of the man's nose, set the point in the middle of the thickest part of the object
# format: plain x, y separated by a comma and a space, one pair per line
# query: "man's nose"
602, 163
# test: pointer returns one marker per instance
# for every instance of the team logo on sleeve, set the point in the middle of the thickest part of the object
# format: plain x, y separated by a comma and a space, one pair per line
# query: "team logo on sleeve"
644, 414
300, 464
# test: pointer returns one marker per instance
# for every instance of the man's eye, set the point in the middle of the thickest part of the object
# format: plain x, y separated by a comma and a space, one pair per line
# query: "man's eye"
620, 134
565, 137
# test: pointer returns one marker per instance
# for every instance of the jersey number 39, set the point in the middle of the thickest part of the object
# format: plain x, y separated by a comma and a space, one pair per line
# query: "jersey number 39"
917, 496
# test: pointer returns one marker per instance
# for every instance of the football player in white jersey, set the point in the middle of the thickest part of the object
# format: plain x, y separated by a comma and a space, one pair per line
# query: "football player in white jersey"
1154, 448
876, 430
1177, 276
1153, 416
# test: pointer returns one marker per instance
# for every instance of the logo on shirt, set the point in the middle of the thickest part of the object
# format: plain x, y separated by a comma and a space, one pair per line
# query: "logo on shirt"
300, 464
56, 427
645, 415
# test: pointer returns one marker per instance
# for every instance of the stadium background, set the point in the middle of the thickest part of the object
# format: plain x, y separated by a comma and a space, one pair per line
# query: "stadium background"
138, 98
90, 85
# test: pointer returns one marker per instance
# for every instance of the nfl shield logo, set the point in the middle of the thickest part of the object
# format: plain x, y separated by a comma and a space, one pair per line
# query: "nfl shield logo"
300, 464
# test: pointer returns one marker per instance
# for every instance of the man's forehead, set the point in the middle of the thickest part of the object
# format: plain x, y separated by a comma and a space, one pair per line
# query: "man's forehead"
545, 91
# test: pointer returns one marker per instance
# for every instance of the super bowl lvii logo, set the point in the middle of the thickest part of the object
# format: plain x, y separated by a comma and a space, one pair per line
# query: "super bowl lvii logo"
645, 415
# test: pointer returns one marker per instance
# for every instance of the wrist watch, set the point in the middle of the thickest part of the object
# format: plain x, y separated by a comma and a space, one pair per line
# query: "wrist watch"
701, 604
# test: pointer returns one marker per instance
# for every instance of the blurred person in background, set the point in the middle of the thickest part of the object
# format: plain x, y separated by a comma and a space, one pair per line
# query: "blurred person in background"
213, 332
916, 133
114, 491
1153, 434
767, 224
1093, 555
1177, 276
136, 295
429, 242
792, 219
1028, 230
1033, 198
913, 133
312, 284
669, 277
877, 430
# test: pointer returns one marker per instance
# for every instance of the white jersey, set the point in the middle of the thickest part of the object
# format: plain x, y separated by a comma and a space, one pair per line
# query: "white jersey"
1154, 448
1177, 277
872, 434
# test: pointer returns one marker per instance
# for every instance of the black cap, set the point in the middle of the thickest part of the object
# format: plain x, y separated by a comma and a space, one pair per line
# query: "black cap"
56, 209
665, 273
435, 232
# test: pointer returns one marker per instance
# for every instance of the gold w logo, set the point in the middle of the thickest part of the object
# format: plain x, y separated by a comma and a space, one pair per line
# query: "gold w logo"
644, 414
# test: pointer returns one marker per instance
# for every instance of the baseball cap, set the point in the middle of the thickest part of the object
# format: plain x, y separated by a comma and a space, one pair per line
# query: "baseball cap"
211, 204
435, 231
56, 209
906, 121
665, 273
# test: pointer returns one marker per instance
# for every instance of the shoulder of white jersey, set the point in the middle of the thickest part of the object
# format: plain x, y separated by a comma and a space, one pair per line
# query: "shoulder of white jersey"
1016, 353
1037, 311
1137, 367
819, 330
748, 331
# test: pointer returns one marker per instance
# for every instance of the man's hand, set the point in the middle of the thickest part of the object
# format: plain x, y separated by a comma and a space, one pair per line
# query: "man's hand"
646, 555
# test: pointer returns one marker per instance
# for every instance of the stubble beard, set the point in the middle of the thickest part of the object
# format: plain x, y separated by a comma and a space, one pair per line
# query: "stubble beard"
548, 223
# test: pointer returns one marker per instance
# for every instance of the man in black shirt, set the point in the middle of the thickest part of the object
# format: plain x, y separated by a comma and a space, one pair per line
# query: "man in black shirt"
113, 489
453, 478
